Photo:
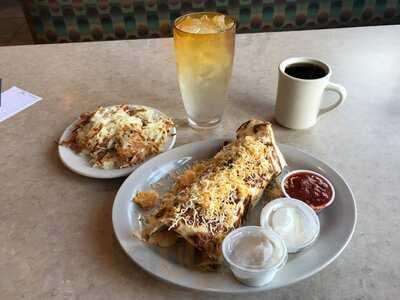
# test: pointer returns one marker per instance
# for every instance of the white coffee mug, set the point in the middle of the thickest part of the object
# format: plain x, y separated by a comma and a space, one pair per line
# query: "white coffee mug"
298, 101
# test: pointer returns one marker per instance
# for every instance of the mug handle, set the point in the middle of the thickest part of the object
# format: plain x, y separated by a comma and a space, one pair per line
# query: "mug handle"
342, 96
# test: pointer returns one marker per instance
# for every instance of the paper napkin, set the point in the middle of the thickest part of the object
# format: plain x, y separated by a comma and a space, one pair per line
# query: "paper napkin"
15, 100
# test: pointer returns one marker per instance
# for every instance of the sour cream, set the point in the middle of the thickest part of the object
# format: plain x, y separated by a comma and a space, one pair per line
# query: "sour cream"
293, 220
255, 251
254, 254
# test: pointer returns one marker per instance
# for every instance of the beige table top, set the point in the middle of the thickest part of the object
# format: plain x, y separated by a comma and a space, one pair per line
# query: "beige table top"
56, 236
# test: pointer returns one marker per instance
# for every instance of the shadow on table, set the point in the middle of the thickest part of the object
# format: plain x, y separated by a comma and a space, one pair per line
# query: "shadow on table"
252, 106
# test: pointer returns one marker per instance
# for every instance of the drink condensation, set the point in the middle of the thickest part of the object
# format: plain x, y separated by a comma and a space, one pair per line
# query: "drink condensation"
204, 48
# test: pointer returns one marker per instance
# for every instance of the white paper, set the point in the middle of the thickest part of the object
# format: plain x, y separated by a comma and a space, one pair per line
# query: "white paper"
15, 100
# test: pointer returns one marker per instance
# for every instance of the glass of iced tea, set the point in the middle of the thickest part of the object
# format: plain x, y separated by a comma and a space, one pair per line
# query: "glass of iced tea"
204, 50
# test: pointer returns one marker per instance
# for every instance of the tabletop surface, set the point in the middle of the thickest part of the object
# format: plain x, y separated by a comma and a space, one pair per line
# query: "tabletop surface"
56, 235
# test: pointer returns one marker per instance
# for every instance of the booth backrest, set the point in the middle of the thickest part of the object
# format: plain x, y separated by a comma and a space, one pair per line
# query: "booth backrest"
55, 21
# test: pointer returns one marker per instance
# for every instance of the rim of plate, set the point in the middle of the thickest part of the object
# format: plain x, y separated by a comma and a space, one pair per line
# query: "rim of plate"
81, 165
245, 289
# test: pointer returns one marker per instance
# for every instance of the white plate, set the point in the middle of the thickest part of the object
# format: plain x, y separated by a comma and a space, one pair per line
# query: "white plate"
337, 223
79, 163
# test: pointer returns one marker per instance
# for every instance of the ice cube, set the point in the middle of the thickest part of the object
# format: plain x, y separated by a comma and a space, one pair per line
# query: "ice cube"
222, 22
219, 21
204, 24
207, 25
189, 24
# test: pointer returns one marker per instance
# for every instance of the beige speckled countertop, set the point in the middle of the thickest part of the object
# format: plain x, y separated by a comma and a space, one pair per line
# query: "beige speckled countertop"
56, 236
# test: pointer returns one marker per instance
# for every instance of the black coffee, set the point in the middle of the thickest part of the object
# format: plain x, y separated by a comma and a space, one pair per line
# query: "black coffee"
305, 71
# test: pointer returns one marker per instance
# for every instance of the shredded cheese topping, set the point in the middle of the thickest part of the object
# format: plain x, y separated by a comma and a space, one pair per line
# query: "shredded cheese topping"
120, 136
211, 196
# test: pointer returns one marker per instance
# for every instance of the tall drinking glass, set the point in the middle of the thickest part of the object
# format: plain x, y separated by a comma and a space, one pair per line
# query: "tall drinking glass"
204, 50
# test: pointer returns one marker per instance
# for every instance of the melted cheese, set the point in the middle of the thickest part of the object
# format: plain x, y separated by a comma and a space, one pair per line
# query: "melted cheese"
217, 195
122, 135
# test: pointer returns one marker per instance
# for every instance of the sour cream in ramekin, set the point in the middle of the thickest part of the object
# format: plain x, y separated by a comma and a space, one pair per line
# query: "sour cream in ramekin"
254, 254
293, 220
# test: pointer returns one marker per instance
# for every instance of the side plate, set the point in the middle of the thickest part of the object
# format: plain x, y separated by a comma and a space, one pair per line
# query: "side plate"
79, 163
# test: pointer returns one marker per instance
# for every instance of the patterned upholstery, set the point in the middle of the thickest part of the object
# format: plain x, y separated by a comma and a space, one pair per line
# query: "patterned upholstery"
54, 21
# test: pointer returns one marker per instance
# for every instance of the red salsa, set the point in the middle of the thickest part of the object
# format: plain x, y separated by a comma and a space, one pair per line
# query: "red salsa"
310, 188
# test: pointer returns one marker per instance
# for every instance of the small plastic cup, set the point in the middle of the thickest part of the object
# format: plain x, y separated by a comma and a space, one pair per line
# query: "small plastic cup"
254, 276
317, 209
306, 212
